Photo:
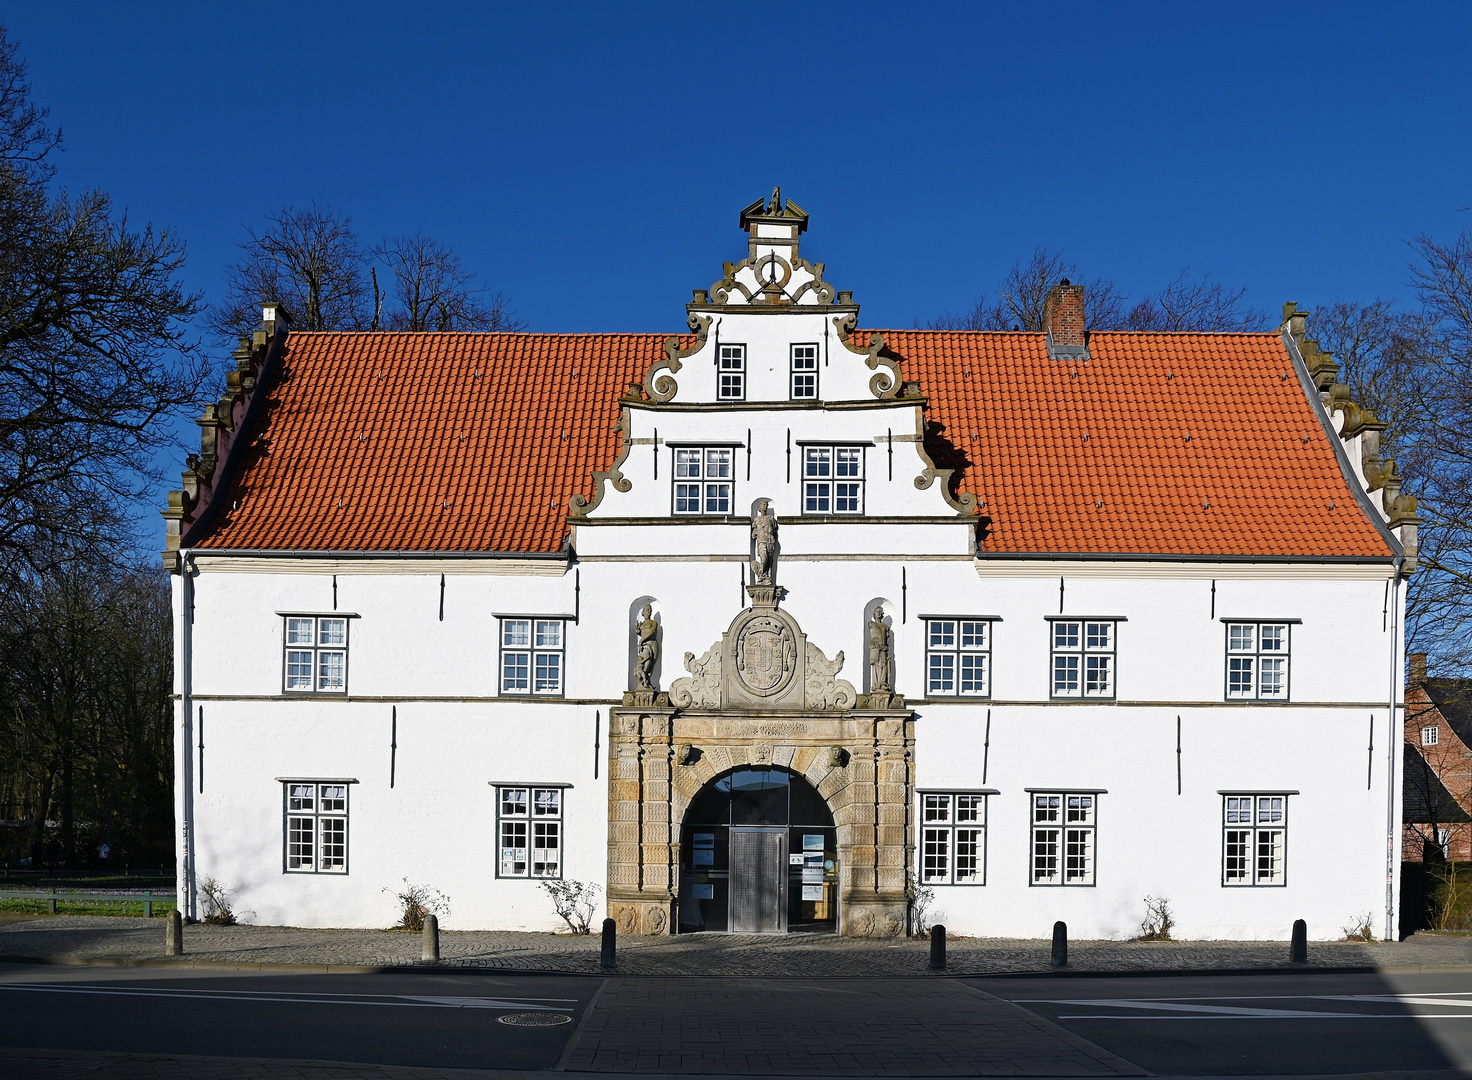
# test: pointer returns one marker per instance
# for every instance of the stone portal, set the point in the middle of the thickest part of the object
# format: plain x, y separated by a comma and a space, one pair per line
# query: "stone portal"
762, 696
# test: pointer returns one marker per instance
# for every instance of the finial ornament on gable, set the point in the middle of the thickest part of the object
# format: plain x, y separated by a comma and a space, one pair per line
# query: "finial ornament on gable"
776, 207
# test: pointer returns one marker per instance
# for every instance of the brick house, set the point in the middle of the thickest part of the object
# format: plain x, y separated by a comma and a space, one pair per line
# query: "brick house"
1438, 766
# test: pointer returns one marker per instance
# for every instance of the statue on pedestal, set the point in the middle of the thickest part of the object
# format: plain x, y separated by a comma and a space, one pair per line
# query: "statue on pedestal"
763, 544
648, 655
881, 661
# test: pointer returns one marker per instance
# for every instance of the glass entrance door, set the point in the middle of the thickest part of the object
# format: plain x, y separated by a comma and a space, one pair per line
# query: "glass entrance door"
732, 878
758, 880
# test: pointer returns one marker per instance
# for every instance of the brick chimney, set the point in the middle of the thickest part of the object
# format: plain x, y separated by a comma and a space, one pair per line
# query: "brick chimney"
1416, 661
1063, 321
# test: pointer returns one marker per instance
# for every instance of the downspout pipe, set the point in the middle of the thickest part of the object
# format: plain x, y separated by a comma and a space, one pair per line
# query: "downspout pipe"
1395, 737
184, 738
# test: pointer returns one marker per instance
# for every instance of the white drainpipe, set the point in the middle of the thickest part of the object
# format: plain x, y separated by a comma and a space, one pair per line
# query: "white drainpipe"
1395, 736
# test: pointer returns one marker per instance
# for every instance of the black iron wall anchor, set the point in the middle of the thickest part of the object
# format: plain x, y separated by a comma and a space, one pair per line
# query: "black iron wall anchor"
393, 746
986, 747
1178, 754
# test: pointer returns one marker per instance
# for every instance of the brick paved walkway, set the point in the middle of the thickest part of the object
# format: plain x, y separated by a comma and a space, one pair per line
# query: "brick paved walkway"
112, 939
847, 1027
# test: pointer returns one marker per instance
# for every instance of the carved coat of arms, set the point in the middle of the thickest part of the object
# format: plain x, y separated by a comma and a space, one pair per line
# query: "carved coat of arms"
766, 654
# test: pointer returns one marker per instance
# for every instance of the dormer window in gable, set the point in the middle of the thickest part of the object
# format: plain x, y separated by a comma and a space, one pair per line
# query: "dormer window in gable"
731, 373
832, 479
805, 372
704, 479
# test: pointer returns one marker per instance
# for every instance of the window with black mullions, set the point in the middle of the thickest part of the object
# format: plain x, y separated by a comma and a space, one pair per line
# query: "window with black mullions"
316, 659
833, 480
804, 372
1083, 658
1255, 839
316, 827
957, 657
703, 479
731, 373
953, 838
1063, 827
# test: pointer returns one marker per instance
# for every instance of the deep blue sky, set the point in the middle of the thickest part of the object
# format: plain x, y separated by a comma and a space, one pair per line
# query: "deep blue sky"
591, 160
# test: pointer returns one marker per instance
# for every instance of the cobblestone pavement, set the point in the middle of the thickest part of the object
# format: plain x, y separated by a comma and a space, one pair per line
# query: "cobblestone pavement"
848, 1027
114, 939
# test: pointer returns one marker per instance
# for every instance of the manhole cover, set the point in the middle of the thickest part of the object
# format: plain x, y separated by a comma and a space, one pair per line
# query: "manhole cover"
534, 1019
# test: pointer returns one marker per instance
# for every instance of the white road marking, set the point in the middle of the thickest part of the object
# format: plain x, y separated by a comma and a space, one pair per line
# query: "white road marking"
396, 1000
1195, 1008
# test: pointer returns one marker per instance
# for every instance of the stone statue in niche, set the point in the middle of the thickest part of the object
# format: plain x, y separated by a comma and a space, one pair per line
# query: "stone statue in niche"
648, 655
881, 661
763, 544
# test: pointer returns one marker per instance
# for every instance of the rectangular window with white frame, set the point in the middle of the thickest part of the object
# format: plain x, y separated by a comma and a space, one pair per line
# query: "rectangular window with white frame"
532, 653
953, 837
529, 831
1083, 657
1063, 834
1430, 736
315, 657
704, 479
805, 372
316, 826
832, 479
1257, 660
1254, 839
958, 657
731, 373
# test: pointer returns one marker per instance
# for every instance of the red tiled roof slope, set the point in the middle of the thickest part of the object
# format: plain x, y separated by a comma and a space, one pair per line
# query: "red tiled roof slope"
431, 442
1200, 444
474, 442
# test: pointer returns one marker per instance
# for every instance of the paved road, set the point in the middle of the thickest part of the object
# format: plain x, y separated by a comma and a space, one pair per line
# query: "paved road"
1257, 1025
95, 1023
875, 1027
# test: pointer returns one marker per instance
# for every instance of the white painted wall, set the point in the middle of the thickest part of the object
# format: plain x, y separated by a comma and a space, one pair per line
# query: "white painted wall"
436, 824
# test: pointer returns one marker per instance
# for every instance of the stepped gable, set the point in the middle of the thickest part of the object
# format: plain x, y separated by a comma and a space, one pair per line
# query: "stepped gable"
1169, 444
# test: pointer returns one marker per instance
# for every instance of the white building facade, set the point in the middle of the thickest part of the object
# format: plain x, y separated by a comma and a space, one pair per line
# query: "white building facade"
767, 626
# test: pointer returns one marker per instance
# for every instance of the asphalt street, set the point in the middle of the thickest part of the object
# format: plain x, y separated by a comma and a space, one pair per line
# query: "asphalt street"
432, 1018
1064, 1026
1262, 1025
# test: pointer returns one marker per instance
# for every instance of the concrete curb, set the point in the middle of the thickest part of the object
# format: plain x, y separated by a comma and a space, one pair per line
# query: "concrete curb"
444, 967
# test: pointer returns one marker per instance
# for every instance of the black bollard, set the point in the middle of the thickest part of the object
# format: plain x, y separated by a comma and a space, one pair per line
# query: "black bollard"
937, 948
1060, 944
431, 949
609, 959
1298, 951
174, 934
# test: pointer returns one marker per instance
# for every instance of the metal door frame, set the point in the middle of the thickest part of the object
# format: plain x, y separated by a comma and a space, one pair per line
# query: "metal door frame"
782, 830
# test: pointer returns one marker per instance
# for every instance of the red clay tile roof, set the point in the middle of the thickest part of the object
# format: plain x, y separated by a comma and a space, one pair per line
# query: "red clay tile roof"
473, 442
1193, 443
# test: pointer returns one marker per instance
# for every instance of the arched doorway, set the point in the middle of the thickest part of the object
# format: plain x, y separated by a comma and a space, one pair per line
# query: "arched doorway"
758, 854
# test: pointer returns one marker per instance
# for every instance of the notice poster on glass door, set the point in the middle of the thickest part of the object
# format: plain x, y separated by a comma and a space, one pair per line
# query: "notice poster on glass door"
812, 841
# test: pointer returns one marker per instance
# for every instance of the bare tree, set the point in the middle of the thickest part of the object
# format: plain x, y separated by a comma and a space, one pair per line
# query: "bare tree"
1202, 306
94, 351
1410, 367
1184, 304
309, 259
433, 290
1023, 291
85, 683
